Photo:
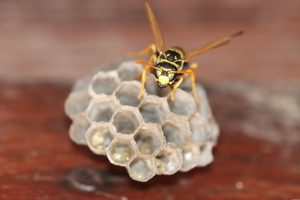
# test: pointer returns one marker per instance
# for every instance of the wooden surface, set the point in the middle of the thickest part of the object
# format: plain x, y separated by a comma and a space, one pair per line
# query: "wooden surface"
253, 84
257, 156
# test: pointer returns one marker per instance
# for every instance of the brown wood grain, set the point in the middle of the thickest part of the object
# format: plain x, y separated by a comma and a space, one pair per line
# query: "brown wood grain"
257, 156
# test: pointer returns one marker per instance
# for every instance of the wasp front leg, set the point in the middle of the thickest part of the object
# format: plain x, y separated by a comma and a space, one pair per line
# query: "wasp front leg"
143, 81
174, 87
191, 74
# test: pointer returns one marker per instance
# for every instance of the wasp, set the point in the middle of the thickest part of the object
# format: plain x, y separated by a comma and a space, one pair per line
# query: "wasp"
170, 66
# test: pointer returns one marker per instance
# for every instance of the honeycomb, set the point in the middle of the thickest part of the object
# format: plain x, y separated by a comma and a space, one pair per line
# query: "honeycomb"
147, 136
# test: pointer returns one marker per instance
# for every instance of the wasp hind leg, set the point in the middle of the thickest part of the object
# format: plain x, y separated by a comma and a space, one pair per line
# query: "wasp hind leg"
174, 87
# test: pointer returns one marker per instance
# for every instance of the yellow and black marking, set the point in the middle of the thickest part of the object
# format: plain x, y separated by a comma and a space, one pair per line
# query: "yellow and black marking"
169, 66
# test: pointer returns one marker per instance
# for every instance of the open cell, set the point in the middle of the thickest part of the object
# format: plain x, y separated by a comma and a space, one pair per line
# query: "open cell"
175, 130
190, 155
141, 169
129, 71
78, 129
127, 93
154, 109
76, 103
99, 136
183, 104
213, 130
101, 109
206, 157
186, 85
204, 107
151, 85
149, 139
169, 160
104, 83
127, 120
199, 129
122, 150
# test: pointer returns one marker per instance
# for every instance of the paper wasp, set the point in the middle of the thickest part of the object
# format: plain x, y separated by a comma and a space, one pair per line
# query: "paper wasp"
170, 65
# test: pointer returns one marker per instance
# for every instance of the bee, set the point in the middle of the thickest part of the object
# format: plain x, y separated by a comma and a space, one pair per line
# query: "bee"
170, 66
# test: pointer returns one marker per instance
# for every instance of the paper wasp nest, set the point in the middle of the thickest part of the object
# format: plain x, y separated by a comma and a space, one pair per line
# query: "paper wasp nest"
148, 136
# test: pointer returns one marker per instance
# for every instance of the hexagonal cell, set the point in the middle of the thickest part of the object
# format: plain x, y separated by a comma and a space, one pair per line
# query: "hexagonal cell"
151, 85
122, 150
204, 108
101, 109
104, 83
127, 93
78, 128
99, 136
81, 84
190, 155
141, 169
76, 102
206, 157
154, 109
213, 130
127, 119
186, 85
129, 70
183, 104
199, 126
176, 129
169, 160
149, 139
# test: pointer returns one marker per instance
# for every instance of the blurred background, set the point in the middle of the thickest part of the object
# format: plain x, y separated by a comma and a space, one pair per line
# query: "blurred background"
61, 40
252, 84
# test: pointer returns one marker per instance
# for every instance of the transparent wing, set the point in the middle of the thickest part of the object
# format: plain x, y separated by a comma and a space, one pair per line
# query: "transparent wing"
212, 45
155, 28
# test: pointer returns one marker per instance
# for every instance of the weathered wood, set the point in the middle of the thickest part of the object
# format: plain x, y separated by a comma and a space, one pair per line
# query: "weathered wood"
257, 156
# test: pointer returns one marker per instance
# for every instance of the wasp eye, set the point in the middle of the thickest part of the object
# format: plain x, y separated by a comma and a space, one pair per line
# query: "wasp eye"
157, 73
171, 76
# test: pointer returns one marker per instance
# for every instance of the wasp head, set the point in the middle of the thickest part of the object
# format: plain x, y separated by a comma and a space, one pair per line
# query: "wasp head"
164, 77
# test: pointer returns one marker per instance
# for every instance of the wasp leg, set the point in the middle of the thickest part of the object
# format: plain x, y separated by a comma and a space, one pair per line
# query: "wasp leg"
174, 87
191, 74
145, 52
194, 66
144, 78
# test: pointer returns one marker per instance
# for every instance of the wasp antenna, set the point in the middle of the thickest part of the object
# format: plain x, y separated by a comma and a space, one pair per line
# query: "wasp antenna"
154, 27
212, 45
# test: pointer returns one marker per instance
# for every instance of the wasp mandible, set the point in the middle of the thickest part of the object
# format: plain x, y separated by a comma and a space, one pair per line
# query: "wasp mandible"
170, 66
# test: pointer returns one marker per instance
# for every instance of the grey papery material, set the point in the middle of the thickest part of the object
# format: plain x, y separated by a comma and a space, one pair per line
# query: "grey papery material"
148, 136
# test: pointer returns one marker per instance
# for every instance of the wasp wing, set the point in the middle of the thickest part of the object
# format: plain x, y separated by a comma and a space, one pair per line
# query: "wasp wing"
212, 45
155, 28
